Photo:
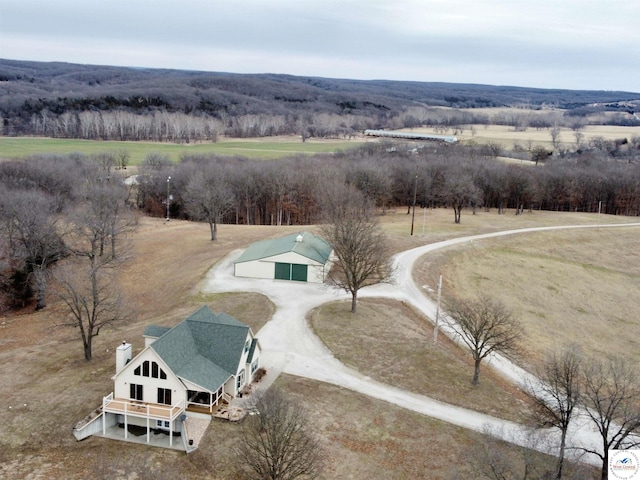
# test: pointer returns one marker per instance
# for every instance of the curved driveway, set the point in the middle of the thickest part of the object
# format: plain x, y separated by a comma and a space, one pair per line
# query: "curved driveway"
290, 346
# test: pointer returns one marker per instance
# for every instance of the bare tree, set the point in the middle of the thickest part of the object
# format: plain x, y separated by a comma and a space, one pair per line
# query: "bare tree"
485, 326
101, 220
460, 191
357, 241
555, 137
611, 395
556, 396
208, 196
91, 294
86, 284
30, 226
277, 443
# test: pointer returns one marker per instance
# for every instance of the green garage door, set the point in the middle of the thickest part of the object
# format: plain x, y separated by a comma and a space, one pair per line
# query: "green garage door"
291, 271
283, 271
299, 272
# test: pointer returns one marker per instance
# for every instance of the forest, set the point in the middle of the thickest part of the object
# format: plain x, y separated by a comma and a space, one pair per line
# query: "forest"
117, 103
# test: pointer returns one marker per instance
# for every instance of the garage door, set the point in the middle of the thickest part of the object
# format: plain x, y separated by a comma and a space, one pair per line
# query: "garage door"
283, 271
291, 271
299, 272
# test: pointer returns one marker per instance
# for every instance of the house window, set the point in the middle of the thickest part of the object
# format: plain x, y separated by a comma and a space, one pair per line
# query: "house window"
254, 367
246, 346
162, 424
164, 396
135, 391
240, 381
150, 369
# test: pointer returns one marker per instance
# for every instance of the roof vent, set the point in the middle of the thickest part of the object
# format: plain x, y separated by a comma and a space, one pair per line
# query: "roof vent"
299, 238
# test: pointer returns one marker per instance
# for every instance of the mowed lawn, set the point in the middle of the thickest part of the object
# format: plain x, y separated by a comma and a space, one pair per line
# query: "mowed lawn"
267, 148
49, 386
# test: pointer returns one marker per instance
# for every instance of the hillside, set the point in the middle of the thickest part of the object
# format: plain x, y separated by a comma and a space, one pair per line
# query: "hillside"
50, 90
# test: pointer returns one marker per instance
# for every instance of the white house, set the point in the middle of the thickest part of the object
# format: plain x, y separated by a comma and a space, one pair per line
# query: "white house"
194, 368
301, 257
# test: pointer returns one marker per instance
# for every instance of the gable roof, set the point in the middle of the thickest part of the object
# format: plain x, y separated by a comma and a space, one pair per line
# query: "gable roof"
155, 331
204, 349
312, 247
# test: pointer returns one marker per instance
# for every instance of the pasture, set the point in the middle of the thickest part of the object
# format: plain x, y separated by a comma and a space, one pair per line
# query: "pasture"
263, 148
508, 136
50, 386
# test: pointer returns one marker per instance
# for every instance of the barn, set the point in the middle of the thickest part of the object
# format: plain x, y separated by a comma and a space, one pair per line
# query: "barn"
301, 257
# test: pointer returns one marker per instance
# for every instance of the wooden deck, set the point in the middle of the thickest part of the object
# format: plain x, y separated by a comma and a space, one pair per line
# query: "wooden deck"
141, 409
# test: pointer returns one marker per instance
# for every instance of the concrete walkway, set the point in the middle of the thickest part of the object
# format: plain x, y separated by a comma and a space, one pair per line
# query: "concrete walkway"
290, 346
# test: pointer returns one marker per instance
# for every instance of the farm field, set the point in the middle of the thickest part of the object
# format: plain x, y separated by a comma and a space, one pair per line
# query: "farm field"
264, 148
507, 136
50, 386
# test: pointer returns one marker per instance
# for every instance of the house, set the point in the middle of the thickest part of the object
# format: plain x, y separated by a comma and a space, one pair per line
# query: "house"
195, 368
301, 257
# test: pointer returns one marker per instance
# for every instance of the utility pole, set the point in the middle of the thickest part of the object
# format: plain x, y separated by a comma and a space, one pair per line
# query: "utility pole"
415, 194
168, 197
435, 328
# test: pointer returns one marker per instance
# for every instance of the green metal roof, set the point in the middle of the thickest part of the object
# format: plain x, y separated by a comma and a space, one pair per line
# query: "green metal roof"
312, 247
204, 349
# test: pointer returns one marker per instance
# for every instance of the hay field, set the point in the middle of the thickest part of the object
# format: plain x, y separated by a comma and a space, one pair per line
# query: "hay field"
508, 136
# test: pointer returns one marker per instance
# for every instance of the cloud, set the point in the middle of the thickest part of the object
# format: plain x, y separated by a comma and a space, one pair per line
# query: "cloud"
548, 43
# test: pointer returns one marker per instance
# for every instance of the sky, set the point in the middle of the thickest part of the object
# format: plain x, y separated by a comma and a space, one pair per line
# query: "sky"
572, 44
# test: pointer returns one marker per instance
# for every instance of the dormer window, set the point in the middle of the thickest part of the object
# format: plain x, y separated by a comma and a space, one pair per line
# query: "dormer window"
247, 345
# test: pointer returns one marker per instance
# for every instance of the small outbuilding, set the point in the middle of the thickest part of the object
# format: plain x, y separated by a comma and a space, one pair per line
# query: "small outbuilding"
301, 257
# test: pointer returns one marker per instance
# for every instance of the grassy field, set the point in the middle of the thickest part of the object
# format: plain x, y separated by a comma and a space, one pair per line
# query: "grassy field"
277, 147
402, 353
270, 147
508, 136
49, 386
566, 287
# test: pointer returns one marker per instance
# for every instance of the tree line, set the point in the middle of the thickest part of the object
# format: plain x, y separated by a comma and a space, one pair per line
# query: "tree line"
289, 191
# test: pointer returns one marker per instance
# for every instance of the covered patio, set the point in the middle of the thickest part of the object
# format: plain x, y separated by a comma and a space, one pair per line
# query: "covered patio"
153, 414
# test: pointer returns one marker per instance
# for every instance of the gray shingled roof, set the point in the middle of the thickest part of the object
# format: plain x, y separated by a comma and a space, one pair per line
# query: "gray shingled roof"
204, 349
155, 331
312, 247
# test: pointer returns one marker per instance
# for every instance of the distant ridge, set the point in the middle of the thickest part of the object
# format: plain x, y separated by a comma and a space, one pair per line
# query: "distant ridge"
33, 92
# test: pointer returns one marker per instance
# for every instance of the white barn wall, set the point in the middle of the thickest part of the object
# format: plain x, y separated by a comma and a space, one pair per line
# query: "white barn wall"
256, 269
291, 257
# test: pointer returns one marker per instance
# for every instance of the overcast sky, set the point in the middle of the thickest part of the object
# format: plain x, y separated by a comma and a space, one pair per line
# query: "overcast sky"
577, 44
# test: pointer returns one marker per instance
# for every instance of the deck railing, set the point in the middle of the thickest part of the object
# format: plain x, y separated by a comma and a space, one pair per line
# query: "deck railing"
142, 409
